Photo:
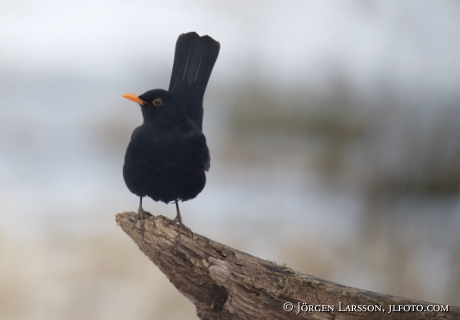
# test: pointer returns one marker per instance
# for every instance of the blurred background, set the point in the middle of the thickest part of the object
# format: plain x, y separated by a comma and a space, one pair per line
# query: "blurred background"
334, 135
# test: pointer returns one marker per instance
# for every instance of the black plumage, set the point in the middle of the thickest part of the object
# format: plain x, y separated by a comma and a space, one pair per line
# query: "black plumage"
167, 156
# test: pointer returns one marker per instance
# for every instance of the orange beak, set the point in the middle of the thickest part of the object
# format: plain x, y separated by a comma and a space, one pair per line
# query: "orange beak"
132, 97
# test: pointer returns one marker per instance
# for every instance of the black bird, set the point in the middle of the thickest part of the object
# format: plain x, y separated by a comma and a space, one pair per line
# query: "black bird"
167, 156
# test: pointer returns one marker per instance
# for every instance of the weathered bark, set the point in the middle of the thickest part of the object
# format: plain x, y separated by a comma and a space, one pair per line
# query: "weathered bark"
224, 283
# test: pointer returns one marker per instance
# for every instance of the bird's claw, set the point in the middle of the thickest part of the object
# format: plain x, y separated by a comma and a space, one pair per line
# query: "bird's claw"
178, 221
141, 216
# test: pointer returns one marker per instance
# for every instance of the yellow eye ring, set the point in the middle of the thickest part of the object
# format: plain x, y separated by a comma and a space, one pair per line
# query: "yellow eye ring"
157, 102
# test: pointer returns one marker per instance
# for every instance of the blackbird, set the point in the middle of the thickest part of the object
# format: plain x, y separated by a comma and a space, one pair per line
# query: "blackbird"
167, 156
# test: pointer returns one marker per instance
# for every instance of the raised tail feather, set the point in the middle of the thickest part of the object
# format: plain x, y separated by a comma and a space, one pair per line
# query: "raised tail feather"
193, 62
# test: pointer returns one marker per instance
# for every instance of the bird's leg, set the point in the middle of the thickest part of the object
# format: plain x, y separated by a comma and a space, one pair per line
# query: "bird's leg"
178, 220
141, 215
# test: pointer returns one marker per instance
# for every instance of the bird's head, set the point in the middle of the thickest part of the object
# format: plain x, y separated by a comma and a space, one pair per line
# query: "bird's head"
159, 106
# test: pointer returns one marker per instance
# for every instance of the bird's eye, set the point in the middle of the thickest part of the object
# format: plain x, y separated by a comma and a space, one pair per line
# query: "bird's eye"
157, 102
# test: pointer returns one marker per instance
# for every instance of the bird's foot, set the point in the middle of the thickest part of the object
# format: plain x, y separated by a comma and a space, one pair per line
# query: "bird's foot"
178, 221
141, 216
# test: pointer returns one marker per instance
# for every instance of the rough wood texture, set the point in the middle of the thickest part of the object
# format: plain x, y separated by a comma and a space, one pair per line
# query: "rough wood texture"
224, 283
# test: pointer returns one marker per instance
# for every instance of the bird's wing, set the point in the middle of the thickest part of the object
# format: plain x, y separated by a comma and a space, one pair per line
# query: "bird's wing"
193, 62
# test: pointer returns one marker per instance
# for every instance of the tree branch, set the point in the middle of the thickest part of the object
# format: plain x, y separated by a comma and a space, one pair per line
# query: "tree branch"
224, 283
